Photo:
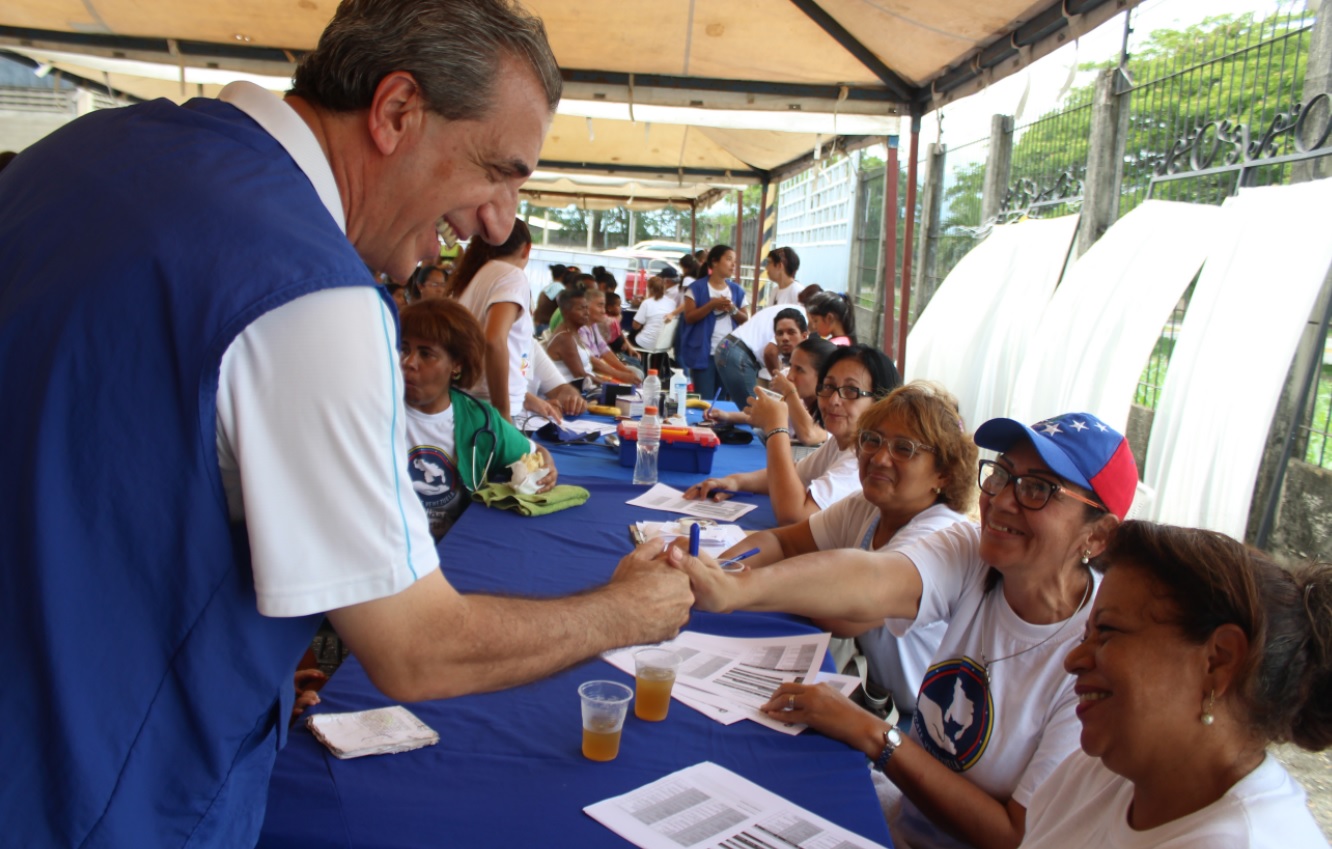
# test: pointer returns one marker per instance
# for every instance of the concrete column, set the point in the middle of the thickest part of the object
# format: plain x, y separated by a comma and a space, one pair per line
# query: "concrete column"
1317, 80
927, 241
1105, 160
998, 166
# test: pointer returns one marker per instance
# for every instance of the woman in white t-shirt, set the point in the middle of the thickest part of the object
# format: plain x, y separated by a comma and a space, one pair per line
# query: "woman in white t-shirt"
491, 282
995, 712
781, 265
1200, 653
915, 462
852, 379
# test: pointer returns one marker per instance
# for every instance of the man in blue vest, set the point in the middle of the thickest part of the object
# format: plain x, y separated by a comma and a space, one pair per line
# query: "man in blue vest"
201, 449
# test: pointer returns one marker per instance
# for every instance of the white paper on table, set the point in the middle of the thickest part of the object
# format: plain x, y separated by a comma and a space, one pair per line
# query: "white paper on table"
706, 805
371, 732
713, 707
845, 684
532, 423
712, 539
730, 676
672, 500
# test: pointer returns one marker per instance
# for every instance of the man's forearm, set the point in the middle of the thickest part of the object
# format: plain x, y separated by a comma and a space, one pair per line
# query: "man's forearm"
429, 642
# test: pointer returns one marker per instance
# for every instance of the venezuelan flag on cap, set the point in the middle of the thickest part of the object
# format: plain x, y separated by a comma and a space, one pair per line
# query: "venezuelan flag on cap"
1078, 447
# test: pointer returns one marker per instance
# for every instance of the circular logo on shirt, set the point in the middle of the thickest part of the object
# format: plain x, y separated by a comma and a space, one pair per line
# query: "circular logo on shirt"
435, 478
955, 713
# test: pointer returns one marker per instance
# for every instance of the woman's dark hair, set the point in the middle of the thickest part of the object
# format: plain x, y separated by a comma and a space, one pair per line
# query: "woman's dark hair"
836, 305
787, 258
689, 265
818, 350
479, 252
714, 257
568, 296
448, 324
557, 271
883, 374
1285, 683
605, 278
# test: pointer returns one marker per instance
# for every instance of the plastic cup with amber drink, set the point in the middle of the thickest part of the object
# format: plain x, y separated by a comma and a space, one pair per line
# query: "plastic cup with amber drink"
654, 675
605, 704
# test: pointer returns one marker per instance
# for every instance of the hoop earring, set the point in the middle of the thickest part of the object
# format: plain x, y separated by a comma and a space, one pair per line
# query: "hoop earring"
1210, 705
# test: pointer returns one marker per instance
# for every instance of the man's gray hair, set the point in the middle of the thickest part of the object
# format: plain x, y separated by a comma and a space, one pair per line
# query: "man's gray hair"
452, 47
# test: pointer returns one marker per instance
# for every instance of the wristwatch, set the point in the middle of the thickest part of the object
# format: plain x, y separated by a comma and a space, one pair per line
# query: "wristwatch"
892, 738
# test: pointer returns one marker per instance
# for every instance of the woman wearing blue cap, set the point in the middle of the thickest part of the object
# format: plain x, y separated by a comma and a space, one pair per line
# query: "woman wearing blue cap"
995, 712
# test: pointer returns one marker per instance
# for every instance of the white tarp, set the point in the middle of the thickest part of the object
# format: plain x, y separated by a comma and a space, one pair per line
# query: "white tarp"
1266, 263
972, 335
1100, 326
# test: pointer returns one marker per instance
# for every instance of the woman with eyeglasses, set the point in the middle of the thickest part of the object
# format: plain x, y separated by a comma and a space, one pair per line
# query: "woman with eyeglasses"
851, 380
915, 462
995, 711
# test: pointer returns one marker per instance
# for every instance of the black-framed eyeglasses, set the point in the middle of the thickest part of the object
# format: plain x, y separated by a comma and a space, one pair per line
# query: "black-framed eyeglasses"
872, 442
848, 392
1030, 492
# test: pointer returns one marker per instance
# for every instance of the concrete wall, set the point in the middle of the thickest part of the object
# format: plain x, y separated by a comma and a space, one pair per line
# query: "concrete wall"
1303, 528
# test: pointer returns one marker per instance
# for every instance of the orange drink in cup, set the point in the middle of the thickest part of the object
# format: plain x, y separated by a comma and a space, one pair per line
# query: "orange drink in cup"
654, 675
605, 704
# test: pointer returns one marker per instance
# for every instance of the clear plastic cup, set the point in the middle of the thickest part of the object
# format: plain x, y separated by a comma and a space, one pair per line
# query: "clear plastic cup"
654, 676
605, 704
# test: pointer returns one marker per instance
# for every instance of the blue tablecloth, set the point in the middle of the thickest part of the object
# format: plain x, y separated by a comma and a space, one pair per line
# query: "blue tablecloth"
508, 769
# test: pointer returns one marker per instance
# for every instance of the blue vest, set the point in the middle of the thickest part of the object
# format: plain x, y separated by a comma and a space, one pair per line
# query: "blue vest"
695, 339
142, 696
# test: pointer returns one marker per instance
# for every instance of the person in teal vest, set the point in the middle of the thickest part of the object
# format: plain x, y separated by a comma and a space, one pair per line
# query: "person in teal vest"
455, 442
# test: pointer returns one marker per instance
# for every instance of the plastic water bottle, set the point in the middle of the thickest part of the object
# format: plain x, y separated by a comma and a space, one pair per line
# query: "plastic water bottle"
649, 445
680, 392
652, 389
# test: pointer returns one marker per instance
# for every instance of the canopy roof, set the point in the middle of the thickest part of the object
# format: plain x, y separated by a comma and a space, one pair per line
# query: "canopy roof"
664, 99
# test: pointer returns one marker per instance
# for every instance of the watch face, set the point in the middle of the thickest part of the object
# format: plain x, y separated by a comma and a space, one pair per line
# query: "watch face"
894, 737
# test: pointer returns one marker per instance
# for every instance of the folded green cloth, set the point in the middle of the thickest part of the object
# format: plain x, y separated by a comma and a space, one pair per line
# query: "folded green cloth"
560, 497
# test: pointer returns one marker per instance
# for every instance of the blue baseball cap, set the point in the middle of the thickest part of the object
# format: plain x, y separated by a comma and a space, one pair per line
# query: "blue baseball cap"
1078, 447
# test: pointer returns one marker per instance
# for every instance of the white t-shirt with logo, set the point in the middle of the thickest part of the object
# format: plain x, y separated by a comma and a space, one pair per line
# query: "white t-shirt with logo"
830, 474
1006, 732
499, 282
432, 465
898, 663
1084, 804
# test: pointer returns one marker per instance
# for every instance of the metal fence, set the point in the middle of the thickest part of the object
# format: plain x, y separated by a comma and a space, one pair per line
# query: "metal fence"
1246, 73
959, 228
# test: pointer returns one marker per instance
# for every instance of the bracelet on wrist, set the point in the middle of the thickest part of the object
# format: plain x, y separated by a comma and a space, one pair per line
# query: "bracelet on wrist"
771, 433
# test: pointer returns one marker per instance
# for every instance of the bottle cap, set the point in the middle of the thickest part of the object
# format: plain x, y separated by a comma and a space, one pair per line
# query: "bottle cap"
652, 371
652, 410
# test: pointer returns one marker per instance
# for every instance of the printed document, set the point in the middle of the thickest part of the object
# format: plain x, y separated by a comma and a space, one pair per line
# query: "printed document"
672, 500
709, 807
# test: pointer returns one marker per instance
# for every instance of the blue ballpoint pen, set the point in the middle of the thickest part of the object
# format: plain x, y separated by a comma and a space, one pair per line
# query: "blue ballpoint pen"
734, 564
694, 536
